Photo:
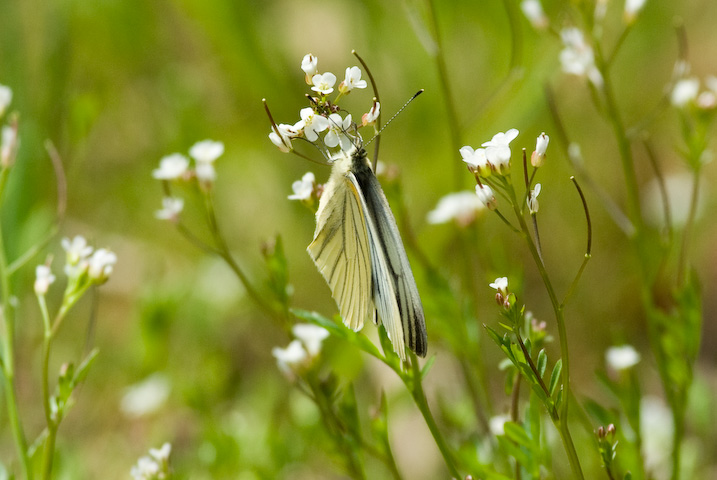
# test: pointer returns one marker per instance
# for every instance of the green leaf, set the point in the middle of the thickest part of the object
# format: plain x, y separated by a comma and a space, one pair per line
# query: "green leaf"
84, 367
497, 338
517, 433
542, 362
555, 376
278, 270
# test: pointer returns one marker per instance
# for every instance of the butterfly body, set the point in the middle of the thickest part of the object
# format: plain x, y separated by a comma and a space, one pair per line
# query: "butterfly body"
358, 249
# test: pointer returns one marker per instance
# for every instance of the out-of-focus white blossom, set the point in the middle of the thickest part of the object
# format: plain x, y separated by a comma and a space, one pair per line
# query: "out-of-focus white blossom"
352, 80
101, 264
77, 254
8, 145
206, 151
171, 167
461, 207
312, 336
171, 208
323, 83
533, 11
154, 466
290, 358
146, 397
684, 91
43, 279
578, 58
303, 188
5, 98
497, 424
657, 429
622, 357
632, 9
497, 150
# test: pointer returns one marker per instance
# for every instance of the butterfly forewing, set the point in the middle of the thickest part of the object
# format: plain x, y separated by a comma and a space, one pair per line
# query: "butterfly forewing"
341, 251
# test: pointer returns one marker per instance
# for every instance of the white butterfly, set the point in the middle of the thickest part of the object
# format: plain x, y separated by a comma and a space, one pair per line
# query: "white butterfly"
358, 250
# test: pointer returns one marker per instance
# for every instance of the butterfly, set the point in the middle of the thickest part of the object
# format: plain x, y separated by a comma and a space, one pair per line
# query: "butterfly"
358, 250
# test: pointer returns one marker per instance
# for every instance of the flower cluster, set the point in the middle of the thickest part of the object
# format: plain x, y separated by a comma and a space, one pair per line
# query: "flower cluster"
301, 351
324, 114
686, 91
154, 466
176, 167
578, 58
84, 266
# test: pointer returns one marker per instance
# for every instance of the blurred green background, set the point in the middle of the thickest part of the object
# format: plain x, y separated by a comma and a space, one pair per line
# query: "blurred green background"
117, 84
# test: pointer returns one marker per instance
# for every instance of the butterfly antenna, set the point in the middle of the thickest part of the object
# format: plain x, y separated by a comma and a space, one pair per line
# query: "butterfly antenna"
394, 116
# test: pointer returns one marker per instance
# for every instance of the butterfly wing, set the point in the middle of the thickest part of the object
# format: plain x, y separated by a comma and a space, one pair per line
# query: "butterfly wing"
388, 241
340, 248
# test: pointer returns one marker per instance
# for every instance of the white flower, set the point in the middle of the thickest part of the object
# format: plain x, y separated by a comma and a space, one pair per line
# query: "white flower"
541, 145
497, 424
309, 65
171, 208
497, 150
206, 151
501, 285
485, 195
8, 145
282, 139
657, 429
5, 98
78, 253
577, 58
684, 91
171, 167
533, 11
476, 160
311, 336
161, 454
313, 123
205, 172
101, 264
371, 116
632, 8
337, 132
287, 359
461, 207
324, 83
711, 83
146, 397
352, 80
146, 469
43, 279
303, 188
622, 357
533, 204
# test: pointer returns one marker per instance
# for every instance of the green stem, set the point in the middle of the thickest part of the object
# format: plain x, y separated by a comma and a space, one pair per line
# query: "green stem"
9, 353
415, 385
49, 450
562, 421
